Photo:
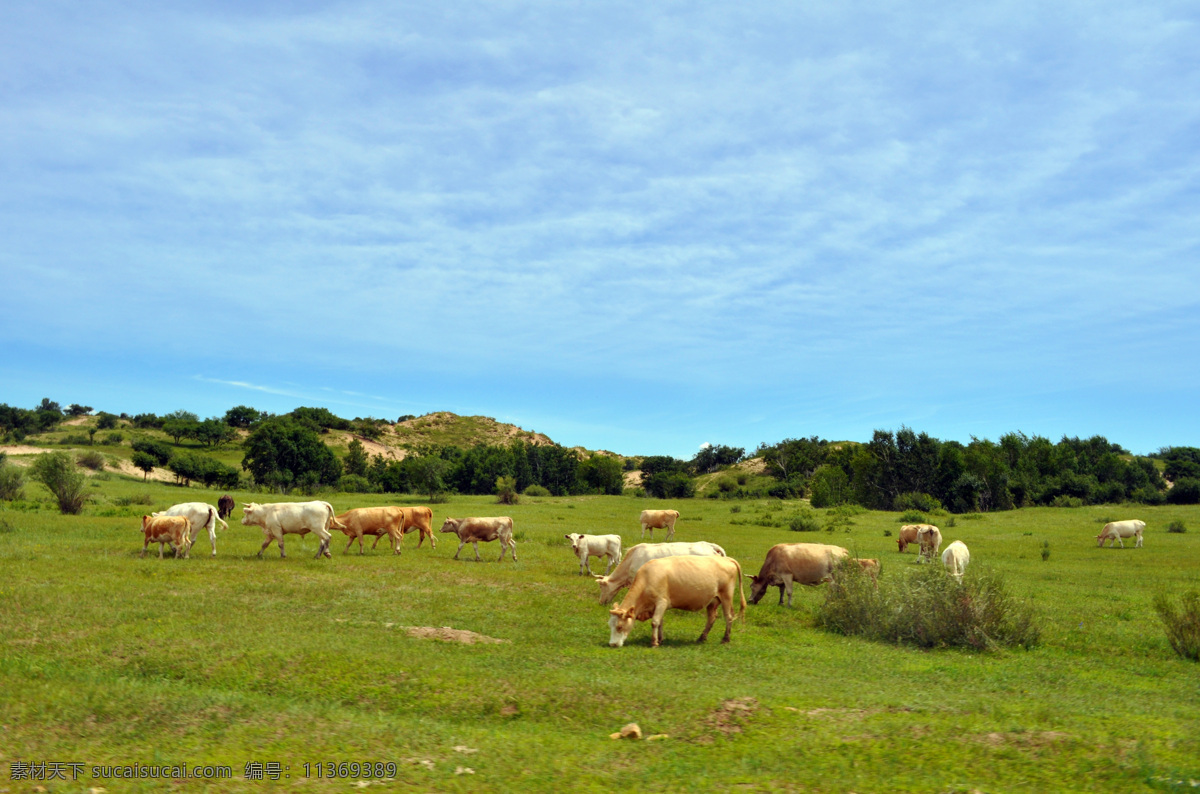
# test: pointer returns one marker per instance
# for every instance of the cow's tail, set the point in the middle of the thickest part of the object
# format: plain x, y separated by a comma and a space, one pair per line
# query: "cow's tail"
741, 588
214, 518
333, 522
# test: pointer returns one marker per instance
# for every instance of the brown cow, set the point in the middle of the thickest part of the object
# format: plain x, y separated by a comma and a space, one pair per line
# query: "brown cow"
176, 530
474, 530
225, 506
788, 563
659, 519
378, 521
688, 583
419, 518
908, 534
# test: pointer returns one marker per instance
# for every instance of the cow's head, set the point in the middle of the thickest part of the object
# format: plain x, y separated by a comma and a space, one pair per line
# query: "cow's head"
620, 623
249, 509
574, 537
450, 525
758, 586
608, 588
145, 521
1103, 536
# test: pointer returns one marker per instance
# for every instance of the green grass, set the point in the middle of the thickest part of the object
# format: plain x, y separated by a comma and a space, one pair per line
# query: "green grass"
111, 659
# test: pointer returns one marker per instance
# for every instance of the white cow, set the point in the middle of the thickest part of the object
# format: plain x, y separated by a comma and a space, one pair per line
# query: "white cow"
198, 514
659, 519
586, 546
1115, 530
642, 553
956, 558
292, 518
929, 538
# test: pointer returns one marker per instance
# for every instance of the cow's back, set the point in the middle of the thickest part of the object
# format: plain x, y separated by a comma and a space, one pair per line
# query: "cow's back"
807, 563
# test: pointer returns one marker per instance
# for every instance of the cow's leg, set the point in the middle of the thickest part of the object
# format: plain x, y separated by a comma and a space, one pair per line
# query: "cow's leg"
432, 539
266, 543
378, 538
349, 541
280, 542
670, 532
461, 543
656, 624
160, 545
212, 533
710, 619
1120, 541
512, 546
780, 594
787, 583
475, 545
1138, 545
644, 528
727, 608
145, 546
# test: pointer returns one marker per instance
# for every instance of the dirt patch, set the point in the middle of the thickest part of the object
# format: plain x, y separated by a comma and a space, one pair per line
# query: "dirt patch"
21, 449
373, 448
447, 634
127, 467
633, 479
753, 465
729, 716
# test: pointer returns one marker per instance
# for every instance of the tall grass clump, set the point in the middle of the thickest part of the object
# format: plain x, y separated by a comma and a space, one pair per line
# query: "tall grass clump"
1177, 527
12, 480
506, 491
537, 490
93, 459
57, 472
1182, 624
804, 521
928, 609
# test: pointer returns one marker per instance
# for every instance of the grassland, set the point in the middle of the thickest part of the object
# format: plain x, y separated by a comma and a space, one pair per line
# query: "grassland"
111, 659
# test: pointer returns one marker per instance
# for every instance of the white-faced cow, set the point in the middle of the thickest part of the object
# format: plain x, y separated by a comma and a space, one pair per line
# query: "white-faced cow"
795, 563
199, 515
642, 553
476, 530
929, 538
1116, 530
687, 583
659, 519
292, 518
586, 546
176, 530
956, 558
908, 534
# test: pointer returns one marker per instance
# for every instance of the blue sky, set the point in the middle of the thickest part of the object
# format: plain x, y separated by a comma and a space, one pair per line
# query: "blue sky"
638, 227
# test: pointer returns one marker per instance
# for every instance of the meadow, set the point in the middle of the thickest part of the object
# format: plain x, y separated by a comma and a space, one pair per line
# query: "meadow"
109, 659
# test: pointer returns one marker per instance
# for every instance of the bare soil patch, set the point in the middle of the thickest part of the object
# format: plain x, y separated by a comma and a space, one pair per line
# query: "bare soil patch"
447, 634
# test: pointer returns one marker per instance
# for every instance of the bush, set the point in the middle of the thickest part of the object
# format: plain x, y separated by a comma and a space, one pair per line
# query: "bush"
1177, 527
912, 517
537, 490
506, 491
914, 500
136, 499
57, 472
1186, 491
113, 439
12, 481
928, 609
804, 521
1148, 495
355, 483
91, 459
1183, 624
726, 484
1063, 500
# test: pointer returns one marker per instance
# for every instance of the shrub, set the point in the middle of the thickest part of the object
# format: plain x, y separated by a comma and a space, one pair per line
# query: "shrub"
12, 481
742, 478
912, 517
1185, 491
91, 459
1148, 495
804, 521
113, 439
5, 527
735, 509
1045, 550
841, 518
506, 491
106, 421
537, 490
1063, 500
928, 609
355, 483
57, 472
726, 484
914, 500
75, 440
136, 499
1177, 526
1182, 624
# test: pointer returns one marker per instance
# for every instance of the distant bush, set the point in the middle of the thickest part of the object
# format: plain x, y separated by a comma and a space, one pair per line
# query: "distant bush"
742, 478
1062, 500
113, 439
506, 491
155, 449
1148, 495
726, 484
804, 521
1182, 624
75, 440
928, 609
12, 481
136, 499
355, 483
1177, 527
735, 509
91, 459
1186, 491
106, 421
537, 490
913, 500
912, 517
57, 472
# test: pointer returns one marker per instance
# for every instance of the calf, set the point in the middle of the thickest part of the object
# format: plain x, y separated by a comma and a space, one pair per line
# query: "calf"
199, 515
642, 553
474, 530
175, 530
1115, 530
586, 546
688, 583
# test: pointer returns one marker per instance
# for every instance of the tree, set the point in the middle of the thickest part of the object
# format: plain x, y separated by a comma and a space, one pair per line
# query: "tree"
146, 462
280, 451
178, 428
427, 474
242, 416
602, 474
356, 462
78, 410
106, 421
506, 491
156, 449
212, 432
710, 458
57, 472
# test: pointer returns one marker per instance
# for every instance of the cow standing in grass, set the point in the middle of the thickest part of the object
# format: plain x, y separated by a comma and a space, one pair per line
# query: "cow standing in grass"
175, 530
795, 563
642, 553
292, 518
477, 530
199, 515
586, 546
1115, 530
687, 583
659, 519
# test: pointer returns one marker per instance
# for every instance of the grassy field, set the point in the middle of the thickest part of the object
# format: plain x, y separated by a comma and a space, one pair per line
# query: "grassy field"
108, 659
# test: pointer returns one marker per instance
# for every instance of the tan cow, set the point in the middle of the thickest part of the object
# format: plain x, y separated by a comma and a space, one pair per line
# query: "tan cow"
659, 519
639, 555
687, 583
419, 518
381, 522
795, 563
474, 530
929, 538
908, 534
870, 567
176, 530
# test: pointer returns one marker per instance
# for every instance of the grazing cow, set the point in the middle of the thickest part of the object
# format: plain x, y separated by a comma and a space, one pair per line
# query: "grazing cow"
642, 553
795, 563
870, 567
956, 558
377, 521
176, 530
419, 518
908, 534
688, 583
929, 538
198, 514
225, 506
586, 546
292, 518
1115, 530
474, 530
659, 519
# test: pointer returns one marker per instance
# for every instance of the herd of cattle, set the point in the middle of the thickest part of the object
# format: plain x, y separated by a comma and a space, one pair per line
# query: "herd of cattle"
660, 576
